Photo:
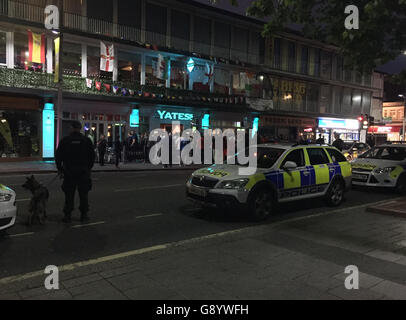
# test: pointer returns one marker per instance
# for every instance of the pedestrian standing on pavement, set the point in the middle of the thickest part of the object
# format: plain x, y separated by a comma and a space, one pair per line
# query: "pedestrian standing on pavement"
118, 148
338, 143
74, 159
320, 140
101, 147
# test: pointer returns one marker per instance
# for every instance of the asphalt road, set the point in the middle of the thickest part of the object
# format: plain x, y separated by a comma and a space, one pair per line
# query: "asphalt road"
128, 211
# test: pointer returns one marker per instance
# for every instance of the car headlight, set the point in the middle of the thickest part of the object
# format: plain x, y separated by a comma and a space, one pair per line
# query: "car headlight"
384, 170
5, 197
233, 184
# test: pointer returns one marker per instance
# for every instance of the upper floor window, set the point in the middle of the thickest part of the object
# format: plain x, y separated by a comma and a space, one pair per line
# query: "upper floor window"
339, 68
156, 17
277, 53
21, 54
3, 41
100, 9
129, 66
326, 65
304, 69
291, 57
72, 58
129, 13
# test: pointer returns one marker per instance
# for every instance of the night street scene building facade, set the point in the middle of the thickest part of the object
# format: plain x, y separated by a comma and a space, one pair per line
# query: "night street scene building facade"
170, 60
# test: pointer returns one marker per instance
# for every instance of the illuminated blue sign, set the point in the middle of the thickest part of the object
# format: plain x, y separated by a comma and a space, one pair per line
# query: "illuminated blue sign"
48, 131
190, 65
135, 118
166, 115
331, 123
206, 121
255, 126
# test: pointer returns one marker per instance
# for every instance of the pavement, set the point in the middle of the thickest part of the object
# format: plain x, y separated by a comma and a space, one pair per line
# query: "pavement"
37, 167
396, 207
299, 258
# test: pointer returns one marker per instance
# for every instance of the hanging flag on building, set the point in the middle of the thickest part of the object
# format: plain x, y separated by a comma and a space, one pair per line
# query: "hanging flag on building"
36, 47
131, 92
124, 91
56, 73
209, 72
162, 67
108, 87
115, 89
98, 85
89, 83
106, 57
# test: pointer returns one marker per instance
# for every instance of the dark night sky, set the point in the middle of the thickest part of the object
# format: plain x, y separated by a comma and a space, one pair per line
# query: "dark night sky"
391, 67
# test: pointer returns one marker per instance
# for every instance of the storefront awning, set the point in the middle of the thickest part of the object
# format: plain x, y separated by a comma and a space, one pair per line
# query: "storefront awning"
384, 129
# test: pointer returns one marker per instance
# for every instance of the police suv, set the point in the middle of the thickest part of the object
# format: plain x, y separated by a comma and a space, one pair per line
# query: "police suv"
8, 208
284, 173
382, 166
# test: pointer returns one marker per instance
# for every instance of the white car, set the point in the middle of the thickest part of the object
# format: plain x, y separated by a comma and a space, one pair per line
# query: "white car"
284, 173
8, 208
382, 166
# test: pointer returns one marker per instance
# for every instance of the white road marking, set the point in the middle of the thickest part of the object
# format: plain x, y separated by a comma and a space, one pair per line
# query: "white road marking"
88, 225
20, 235
150, 188
23, 200
73, 266
149, 216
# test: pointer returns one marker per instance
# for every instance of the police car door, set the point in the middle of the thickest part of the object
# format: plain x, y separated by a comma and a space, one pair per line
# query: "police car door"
319, 169
294, 179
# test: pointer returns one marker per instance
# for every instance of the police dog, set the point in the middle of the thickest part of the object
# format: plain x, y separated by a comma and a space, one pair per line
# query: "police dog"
39, 199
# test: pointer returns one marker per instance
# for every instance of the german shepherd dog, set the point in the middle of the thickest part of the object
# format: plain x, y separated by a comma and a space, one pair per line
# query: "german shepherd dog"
39, 199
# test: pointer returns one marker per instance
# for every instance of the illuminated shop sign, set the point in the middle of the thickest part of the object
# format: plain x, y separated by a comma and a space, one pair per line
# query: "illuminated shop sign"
330, 123
182, 116
135, 118
48, 131
255, 126
190, 65
206, 121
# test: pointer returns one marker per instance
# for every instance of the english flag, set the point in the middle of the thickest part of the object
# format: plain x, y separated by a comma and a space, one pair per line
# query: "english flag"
36, 47
106, 57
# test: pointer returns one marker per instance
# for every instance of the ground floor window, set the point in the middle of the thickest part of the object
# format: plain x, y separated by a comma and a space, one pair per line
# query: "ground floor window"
20, 133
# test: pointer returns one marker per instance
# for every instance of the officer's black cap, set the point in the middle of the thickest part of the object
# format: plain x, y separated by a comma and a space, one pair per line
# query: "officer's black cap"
76, 125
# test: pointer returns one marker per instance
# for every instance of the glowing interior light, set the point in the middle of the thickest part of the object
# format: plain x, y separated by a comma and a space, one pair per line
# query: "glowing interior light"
48, 129
190, 65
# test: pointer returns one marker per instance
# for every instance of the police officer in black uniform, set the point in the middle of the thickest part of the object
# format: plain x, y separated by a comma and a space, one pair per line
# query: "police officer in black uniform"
75, 158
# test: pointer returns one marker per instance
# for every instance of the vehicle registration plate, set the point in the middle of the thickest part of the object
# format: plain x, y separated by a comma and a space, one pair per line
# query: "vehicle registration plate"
360, 177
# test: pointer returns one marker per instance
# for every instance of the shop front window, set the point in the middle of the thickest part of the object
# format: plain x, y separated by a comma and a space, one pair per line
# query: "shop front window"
221, 81
151, 74
299, 96
72, 59
129, 67
19, 134
179, 75
21, 54
3, 41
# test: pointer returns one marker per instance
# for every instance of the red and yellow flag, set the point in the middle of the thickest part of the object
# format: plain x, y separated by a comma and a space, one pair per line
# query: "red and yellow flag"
36, 47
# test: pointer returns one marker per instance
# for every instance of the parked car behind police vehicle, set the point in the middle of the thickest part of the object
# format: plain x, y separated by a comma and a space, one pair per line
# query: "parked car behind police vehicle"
382, 166
8, 208
284, 173
352, 150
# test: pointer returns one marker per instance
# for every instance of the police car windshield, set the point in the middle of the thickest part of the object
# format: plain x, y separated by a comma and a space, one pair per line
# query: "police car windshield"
266, 157
386, 153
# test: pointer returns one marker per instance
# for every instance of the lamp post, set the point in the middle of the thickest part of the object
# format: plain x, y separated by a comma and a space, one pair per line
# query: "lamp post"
404, 115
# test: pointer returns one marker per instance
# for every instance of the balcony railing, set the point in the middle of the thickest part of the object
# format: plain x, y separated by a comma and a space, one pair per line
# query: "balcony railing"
31, 13
38, 80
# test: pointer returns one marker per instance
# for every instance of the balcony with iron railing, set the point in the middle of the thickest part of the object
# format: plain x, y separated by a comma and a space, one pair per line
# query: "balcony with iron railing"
75, 22
25, 79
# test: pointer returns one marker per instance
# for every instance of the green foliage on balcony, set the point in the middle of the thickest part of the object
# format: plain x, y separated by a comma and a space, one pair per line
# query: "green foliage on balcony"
77, 85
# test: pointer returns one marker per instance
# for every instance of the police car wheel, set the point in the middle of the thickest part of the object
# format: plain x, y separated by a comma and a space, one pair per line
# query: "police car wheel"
335, 195
401, 185
261, 204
